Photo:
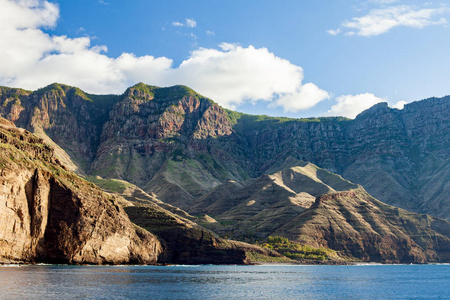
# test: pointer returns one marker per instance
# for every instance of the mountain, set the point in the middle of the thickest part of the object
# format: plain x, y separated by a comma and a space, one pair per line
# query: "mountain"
314, 207
252, 177
179, 145
185, 241
49, 214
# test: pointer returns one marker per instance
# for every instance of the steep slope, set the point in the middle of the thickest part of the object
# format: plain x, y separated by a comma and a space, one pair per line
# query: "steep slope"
166, 140
179, 145
297, 185
184, 241
50, 215
61, 115
394, 154
356, 225
317, 208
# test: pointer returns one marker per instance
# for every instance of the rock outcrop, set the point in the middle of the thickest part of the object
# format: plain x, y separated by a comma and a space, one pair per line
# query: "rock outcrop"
357, 225
184, 241
180, 145
190, 153
50, 215
315, 207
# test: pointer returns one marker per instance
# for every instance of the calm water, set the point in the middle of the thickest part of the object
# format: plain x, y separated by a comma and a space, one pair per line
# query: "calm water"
222, 282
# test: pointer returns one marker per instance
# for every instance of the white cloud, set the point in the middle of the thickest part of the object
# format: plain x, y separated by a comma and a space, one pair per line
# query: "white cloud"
210, 33
399, 104
178, 24
334, 32
380, 21
304, 97
351, 105
191, 23
230, 75
235, 74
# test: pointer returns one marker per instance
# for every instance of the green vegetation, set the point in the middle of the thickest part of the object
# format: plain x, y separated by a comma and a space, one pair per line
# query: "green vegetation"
14, 91
213, 166
256, 122
112, 185
100, 101
62, 88
178, 155
144, 88
13, 100
259, 257
295, 250
175, 92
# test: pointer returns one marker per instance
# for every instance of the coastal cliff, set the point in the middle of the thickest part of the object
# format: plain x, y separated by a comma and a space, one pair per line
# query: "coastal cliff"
48, 214
179, 144
226, 170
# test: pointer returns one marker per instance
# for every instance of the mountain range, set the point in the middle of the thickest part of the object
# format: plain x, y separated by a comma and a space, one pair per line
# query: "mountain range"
315, 181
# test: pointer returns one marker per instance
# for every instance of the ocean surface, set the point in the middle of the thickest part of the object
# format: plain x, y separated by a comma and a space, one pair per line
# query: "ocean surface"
226, 282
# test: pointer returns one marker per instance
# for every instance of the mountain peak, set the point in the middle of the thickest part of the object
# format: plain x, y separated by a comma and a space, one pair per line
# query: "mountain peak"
377, 109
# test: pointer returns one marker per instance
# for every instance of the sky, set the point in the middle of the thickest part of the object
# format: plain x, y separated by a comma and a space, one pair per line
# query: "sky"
290, 58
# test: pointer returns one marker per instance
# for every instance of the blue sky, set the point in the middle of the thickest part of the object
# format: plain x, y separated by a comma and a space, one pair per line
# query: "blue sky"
291, 58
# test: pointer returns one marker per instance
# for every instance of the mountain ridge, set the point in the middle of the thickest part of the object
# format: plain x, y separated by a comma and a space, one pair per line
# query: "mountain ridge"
50, 215
402, 147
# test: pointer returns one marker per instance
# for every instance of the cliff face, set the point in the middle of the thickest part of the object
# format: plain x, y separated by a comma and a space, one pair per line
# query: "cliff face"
63, 116
315, 207
50, 215
356, 225
400, 156
180, 145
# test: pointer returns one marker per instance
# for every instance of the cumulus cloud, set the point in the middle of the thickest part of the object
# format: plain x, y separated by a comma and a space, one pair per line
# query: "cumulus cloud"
399, 104
191, 23
379, 21
235, 74
351, 105
334, 32
230, 74
304, 97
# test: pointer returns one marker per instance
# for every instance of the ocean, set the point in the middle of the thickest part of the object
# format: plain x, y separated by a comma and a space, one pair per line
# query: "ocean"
225, 282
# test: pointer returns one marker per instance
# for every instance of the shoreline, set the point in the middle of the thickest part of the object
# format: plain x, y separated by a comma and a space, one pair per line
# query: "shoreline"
22, 264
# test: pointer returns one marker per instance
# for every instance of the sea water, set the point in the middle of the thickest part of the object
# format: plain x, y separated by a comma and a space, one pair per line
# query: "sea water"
226, 282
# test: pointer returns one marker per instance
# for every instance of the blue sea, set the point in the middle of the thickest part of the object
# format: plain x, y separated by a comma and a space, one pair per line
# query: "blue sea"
226, 282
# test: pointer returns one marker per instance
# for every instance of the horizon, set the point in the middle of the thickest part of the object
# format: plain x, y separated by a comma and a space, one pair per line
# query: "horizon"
249, 57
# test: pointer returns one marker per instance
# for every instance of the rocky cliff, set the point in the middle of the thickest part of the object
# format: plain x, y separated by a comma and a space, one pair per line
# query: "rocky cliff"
51, 215
184, 241
189, 152
356, 225
180, 145
314, 207
399, 156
